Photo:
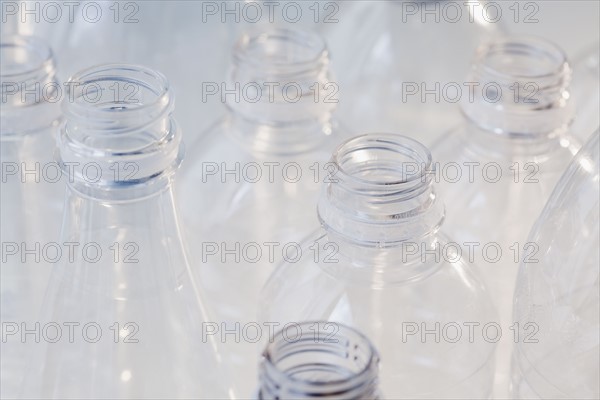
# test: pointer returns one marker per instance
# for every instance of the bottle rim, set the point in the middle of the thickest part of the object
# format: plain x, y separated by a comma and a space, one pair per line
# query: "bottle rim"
403, 146
34, 46
244, 51
529, 45
148, 78
280, 348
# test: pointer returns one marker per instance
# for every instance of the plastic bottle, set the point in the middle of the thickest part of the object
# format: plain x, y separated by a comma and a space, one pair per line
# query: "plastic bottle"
128, 314
382, 264
31, 190
248, 195
498, 168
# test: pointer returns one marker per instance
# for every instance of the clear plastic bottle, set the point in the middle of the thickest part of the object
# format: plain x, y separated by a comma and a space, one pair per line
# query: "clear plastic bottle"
498, 168
556, 302
406, 72
319, 359
128, 313
382, 264
249, 192
31, 191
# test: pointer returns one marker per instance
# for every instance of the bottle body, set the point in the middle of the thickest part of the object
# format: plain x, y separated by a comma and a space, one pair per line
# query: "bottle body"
478, 179
128, 314
129, 300
380, 264
421, 327
557, 292
253, 209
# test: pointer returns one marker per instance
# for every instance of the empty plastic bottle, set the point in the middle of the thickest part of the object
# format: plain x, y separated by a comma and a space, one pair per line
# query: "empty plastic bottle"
319, 359
556, 303
382, 264
248, 195
123, 316
498, 168
31, 190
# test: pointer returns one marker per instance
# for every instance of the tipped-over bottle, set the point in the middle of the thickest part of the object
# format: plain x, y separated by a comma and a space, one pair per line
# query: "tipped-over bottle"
556, 303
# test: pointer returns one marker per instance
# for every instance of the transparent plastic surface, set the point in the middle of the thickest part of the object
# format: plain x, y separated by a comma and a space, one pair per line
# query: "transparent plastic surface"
497, 170
557, 293
406, 72
31, 191
250, 188
158, 34
319, 359
128, 313
586, 92
382, 264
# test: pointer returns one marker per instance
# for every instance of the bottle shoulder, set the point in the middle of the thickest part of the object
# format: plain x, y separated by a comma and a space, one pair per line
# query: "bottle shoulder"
416, 264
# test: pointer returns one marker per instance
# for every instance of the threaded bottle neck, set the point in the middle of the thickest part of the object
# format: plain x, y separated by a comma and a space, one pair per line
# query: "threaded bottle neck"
283, 86
319, 359
381, 193
520, 88
30, 88
119, 125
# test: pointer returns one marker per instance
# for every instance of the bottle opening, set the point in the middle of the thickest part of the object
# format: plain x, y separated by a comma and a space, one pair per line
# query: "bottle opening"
520, 88
281, 51
524, 58
115, 90
24, 55
282, 94
383, 160
30, 90
381, 191
118, 118
319, 359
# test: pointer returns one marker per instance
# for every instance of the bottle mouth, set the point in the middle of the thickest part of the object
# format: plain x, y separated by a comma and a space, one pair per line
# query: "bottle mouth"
119, 116
27, 79
382, 162
522, 88
524, 58
380, 192
319, 359
108, 93
283, 95
281, 51
24, 56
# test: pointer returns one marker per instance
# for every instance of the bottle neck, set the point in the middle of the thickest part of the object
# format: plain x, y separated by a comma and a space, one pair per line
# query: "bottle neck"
519, 87
319, 359
283, 95
382, 194
119, 141
30, 88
